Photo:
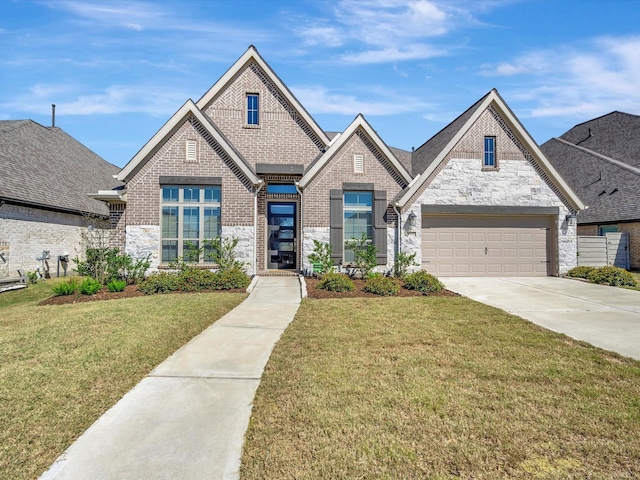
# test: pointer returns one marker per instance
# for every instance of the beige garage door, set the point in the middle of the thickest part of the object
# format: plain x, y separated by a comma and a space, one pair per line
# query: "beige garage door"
459, 245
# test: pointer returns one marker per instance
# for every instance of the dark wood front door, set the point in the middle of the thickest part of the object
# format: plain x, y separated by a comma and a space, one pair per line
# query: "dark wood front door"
281, 235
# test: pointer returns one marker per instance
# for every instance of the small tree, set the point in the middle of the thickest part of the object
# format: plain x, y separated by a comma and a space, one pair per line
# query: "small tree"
364, 253
402, 264
223, 253
321, 255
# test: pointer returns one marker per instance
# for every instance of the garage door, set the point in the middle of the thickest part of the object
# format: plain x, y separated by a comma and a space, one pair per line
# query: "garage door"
462, 245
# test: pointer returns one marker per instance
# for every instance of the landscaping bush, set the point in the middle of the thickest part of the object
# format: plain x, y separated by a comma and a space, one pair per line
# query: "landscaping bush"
382, 285
609, 275
364, 255
89, 286
116, 285
423, 282
66, 288
161, 282
321, 255
230, 279
336, 282
402, 264
580, 272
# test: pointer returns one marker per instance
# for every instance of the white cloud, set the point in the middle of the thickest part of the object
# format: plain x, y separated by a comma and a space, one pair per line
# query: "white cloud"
319, 100
599, 76
388, 30
152, 100
128, 14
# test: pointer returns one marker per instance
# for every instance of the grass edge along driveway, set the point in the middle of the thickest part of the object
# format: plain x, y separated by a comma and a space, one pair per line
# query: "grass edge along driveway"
61, 367
439, 388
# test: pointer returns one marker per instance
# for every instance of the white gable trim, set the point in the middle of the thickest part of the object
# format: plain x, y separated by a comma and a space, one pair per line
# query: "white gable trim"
341, 139
249, 55
167, 129
529, 143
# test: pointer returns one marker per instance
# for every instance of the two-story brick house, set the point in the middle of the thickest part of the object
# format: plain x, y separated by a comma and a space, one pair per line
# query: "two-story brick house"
248, 161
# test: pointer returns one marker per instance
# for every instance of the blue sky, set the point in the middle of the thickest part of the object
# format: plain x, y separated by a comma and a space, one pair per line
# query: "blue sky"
118, 70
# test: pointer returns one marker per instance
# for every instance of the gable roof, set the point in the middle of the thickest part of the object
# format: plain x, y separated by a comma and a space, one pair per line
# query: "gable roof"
615, 135
252, 55
435, 150
45, 167
189, 108
358, 123
608, 186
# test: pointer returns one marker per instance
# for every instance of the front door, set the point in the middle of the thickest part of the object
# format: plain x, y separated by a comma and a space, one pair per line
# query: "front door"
281, 235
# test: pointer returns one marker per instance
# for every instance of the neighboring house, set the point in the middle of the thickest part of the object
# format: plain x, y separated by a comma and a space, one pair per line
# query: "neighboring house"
248, 161
44, 177
600, 160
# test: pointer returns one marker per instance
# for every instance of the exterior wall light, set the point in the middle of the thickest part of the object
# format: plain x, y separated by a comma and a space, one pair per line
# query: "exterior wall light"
571, 219
412, 223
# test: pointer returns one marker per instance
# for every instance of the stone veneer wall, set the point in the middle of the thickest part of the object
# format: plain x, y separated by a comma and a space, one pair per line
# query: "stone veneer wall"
315, 201
25, 232
461, 180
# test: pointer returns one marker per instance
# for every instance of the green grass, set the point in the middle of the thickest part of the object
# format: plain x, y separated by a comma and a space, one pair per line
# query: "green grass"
439, 388
61, 367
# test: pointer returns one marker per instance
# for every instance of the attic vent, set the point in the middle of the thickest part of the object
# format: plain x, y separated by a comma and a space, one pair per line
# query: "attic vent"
191, 156
358, 163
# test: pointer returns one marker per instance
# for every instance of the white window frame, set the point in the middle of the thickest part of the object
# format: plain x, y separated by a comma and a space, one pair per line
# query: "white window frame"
489, 153
357, 209
249, 111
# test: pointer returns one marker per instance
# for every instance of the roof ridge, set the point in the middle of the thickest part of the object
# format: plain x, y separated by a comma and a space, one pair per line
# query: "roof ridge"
599, 155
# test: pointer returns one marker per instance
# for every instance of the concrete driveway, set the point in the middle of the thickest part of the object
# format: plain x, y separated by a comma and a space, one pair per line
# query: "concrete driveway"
607, 317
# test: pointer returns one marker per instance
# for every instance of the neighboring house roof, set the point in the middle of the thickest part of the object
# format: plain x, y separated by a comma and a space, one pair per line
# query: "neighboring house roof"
45, 167
178, 118
609, 186
431, 154
252, 55
403, 156
616, 135
358, 123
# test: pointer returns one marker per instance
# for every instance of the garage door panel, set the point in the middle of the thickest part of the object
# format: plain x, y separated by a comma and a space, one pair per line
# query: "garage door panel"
485, 245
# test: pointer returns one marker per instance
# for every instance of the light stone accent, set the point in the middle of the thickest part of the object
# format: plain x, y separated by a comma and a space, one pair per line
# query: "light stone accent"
143, 240
26, 232
5, 260
462, 182
309, 234
245, 249
410, 242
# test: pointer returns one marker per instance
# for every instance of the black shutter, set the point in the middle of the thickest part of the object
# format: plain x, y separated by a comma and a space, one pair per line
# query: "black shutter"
336, 221
380, 225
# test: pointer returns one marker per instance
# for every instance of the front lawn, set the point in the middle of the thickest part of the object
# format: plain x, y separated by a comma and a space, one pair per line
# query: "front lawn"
62, 366
439, 388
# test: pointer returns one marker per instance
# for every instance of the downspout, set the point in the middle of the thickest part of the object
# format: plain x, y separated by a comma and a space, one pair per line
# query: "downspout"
301, 239
255, 226
399, 246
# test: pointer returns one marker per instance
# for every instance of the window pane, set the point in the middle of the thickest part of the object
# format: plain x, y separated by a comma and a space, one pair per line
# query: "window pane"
280, 188
357, 224
191, 222
191, 194
252, 109
169, 250
211, 223
169, 194
358, 199
489, 151
190, 250
170, 222
212, 195
209, 251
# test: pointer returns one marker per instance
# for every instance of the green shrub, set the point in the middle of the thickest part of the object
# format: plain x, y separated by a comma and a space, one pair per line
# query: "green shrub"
89, 286
321, 255
116, 285
66, 288
232, 278
364, 255
33, 277
609, 275
382, 285
402, 264
336, 282
580, 272
423, 282
161, 282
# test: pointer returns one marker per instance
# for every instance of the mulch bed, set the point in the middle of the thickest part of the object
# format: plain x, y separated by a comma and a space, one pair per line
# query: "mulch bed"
314, 292
130, 291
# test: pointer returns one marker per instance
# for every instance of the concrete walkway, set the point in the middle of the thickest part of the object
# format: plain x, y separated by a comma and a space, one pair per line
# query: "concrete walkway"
607, 317
187, 419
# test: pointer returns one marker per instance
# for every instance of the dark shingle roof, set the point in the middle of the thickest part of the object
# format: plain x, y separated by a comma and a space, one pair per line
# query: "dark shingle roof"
616, 135
403, 156
610, 191
47, 167
424, 155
